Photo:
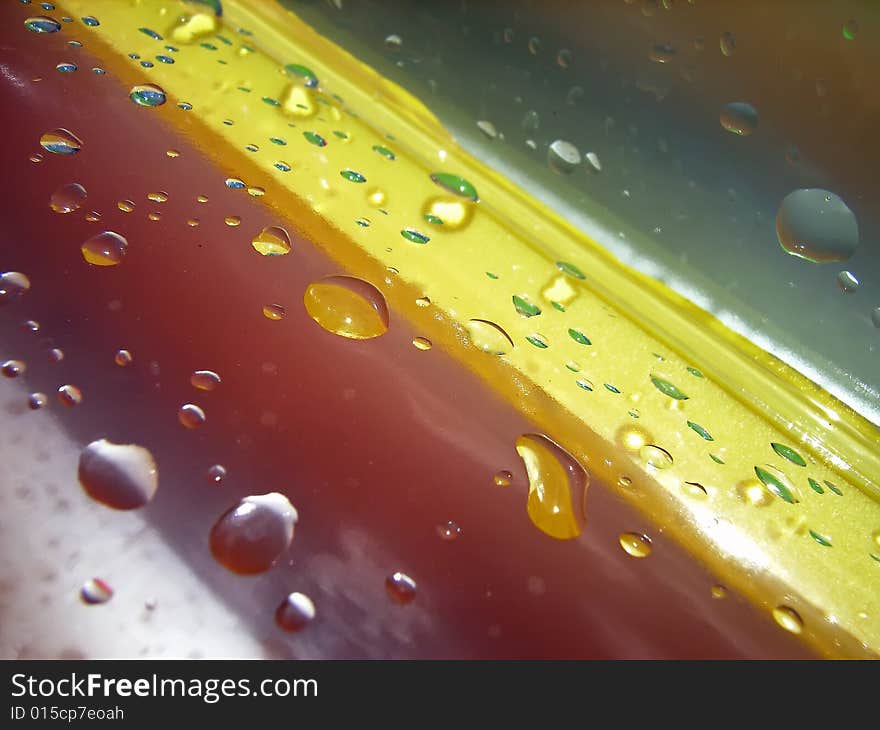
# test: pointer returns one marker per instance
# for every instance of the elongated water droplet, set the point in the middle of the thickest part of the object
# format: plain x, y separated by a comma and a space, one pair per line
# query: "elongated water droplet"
636, 544
68, 198
563, 157
353, 176
411, 234
121, 476
13, 285
95, 591
700, 430
656, 456
788, 619
272, 241
728, 44
786, 452
816, 225
579, 337
455, 184
61, 142
401, 587
295, 612
421, 343
315, 139
191, 416
204, 380
304, 73
69, 395
850, 29
274, 312
147, 95
251, 536
348, 307
12, 368
557, 487
667, 388
847, 282
105, 249
739, 118
42, 24
37, 401
525, 308
777, 483
489, 337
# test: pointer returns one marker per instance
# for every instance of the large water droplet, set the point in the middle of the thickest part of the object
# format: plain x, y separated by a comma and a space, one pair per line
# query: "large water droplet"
13, 285
42, 24
563, 157
816, 225
401, 587
204, 380
251, 536
122, 476
105, 249
147, 95
68, 198
451, 213
489, 337
95, 591
740, 118
295, 612
456, 185
347, 306
847, 282
788, 619
272, 241
191, 416
635, 544
557, 487
61, 142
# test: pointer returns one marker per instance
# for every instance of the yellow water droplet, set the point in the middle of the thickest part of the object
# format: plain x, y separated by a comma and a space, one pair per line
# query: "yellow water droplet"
376, 197
172, 153
639, 546
105, 249
232, 220
502, 478
423, 302
788, 619
272, 241
348, 307
559, 289
557, 487
421, 343
256, 191
719, 591
126, 206
656, 456
752, 492
298, 101
192, 27
202, 198
154, 216
455, 213
273, 312
489, 337
159, 197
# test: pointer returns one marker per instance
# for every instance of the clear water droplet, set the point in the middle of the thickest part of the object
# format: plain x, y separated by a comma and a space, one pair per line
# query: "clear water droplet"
487, 128
502, 478
295, 612
121, 476
393, 42
149, 95
272, 241
275, 312
216, 474
96, 591
816, 225
563, 157
105, 249
422, 343
69, 395
204, 380
636, 544
42, 24
68, 198
655, 456
233, 221
739, 118
37, 401
61, 142
489, 337
401, 587
12, 368
251, 536
847, 282
348, 307
191, 416
13, 285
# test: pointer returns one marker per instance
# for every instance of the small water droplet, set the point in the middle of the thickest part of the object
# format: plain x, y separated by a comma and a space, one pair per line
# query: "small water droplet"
850, 30
636, 544
448, 531
96, 591
788, 619
274, 312
105, 249
272, 241
411, 234
70, 395
846, 282
295, 612
423, 302
61, 142
123, 358
13, 285
563, 58
739, 118
727, 44
251, 536
662, 53
557, 487
232, 221
191, 416
421, 343
42, 24
68, 198
66, 67
393, 42
816, 225
12, 368
777, 482
121, 476
487, 128
655, 456
502, 478
563, 157
348, 307
37, 401
719, 591
204, 380
489, 337
401, 587
353, 176
216, 474
126, 206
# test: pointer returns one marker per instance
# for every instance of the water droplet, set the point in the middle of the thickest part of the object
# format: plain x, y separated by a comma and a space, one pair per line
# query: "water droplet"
160, 197
353, 176
105, 249
295, 612
579, 337
253, 534
421, 343
274, 312
401, 587
667, 388
557, 487
694, 490
777, 482
502, 478
875, 316
255, 191
656, 456
42, 24
304, 73
232, 221
487, 128
534, 45
204, 380
13, 285
834, 488
315, 139
423, 302
816, 225
850, 30
234, 183
61, 142
662, 53
635, 544
448, 531
788, 619
456, 185
55, 355
740, 118
348, 307
727, 44
37, 401
563, 157
123, 358
272, 241
489, 337
121, 476
69, 395
584, 384
191, 416
846, 282
94, 216
384, 151
538, 340
66, 67
411, 234
216, 474
91, 21
68, 198
186, 106
823, 540
147, 95
593, 162
563, 58
126, 206
700, 430
786, 452
95, 591
12, 368
393, 42
525, 308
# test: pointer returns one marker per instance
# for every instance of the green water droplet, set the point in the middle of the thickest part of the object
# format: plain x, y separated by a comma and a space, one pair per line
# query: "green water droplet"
667, 388
353, 176
411, 234
270, 101
340, 135
570, 269
700, 430
538, 341
610, 388
455, 184
786, 452
834, 488
815, 486
579, 337
302, 72
433, 219
384, 151
526, 309
557, 306
315, 139
696, 373
277, 140
491, 275
585, 384
716, 459
850, 30
821, 539
775, 485
149, 32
